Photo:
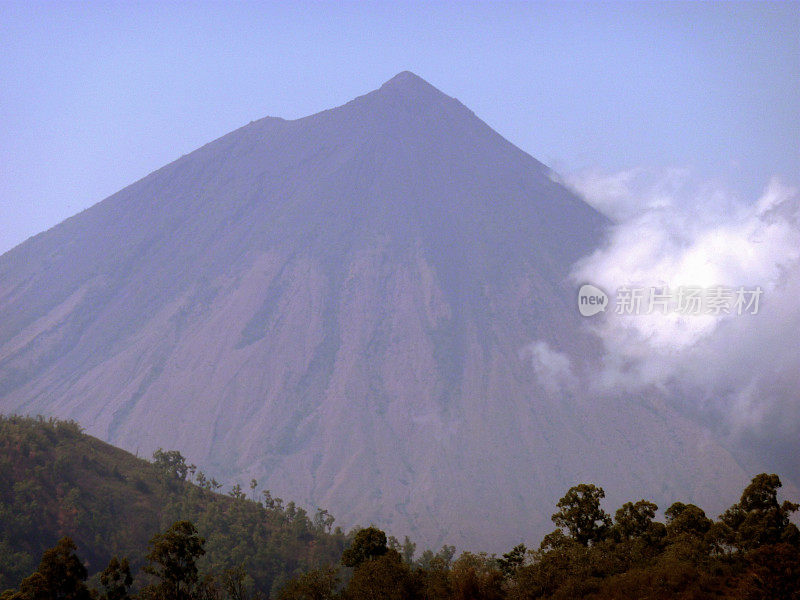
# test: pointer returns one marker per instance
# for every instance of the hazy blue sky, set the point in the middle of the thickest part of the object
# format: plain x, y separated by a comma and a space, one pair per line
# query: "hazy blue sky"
94, 96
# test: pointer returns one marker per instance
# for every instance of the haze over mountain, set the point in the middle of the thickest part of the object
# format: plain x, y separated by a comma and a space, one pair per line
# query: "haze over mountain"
349, 307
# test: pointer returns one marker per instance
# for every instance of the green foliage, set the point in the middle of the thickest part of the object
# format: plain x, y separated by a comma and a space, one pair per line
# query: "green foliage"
758, 518
116, 579
59, 482
686, 519
318, 584
170, 464
512, 560
63, 572
61, 576
687, 558
773, 571
476, 576
635, 520
580, 514
444, 557
62, 482
407, 550
173, 561
383, 576
368, 544
238, 585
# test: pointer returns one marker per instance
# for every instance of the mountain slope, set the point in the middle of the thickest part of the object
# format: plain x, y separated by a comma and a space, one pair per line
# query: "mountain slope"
340, 306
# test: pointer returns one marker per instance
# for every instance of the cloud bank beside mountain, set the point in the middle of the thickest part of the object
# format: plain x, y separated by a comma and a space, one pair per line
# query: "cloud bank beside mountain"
740, 374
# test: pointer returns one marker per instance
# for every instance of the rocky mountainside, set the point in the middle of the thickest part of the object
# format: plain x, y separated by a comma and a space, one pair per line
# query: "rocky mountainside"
339, 306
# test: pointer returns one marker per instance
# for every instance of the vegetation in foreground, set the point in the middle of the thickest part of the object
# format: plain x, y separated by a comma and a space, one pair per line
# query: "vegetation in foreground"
752, 551
56, 481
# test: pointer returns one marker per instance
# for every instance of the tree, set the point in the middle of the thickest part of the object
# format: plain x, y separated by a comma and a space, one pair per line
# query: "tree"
686, 519
426, 559
634, 520
34, 587
173, 560
446, 554
64, 572
476, 577
773, 573
580, 514
758, 519
170, 463
318, 584
323, 521
385, 576
368, 544
60, 576
237, 584
116, 579
512, 560
407, 550
435, 577
253, 486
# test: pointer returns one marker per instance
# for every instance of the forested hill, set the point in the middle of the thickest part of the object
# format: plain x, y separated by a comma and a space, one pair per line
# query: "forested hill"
73, 507
56, 481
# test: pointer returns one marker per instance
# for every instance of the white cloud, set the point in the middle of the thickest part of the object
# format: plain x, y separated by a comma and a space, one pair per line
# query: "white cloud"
743, 369
553, 369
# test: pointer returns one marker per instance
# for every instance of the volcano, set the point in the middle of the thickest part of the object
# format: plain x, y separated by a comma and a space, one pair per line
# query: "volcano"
344, 307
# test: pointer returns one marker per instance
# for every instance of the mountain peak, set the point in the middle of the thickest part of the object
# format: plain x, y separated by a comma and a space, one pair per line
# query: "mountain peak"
386, 259
407, 79
413, 86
